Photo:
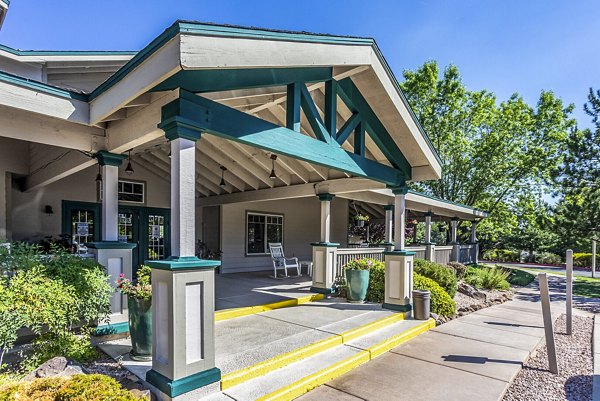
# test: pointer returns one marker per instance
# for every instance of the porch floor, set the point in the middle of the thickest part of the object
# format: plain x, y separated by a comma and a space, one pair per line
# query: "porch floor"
237, 290
250, 340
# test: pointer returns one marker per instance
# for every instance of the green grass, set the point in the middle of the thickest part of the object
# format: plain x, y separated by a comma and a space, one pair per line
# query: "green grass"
583, 286
520, 277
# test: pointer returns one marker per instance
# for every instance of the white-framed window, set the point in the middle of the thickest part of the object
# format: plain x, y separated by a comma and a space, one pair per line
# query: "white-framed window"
131, 191
262, 228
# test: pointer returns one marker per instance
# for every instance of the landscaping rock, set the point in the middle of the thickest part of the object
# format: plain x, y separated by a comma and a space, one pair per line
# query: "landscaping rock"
471, 291
142, 394
58, 366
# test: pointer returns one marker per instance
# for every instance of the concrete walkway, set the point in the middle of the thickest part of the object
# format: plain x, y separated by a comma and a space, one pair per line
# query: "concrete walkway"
472, 357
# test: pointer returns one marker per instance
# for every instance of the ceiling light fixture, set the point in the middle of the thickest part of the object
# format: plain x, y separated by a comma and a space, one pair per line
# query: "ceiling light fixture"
273, 175
129, 168
223, 170
99, 175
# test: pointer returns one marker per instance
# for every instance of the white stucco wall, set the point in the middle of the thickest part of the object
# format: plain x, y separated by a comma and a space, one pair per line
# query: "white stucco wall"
301, 227
14, 158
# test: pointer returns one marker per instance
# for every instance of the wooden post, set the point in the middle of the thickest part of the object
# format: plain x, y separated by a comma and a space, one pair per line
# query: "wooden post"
548, 329
593, 258
569, 291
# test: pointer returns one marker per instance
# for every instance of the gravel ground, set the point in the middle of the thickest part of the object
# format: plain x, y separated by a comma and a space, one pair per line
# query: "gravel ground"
105, 365
575, 362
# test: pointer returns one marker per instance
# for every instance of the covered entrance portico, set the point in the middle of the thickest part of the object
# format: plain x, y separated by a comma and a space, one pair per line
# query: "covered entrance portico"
245, 132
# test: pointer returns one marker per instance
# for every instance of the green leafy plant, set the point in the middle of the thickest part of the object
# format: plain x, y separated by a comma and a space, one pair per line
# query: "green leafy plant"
582, 259
12, 315
441, 302
376, 290
441, 274
491, 278
459, 269
360, 264
361, 217
140, 288
502, 255
93, 387
551, 258
50, 345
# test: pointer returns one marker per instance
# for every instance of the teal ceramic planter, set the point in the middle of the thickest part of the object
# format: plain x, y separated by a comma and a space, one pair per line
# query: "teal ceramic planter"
358, 283
140, 328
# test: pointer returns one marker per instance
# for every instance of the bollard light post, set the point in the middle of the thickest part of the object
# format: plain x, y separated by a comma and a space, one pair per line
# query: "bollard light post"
548, 329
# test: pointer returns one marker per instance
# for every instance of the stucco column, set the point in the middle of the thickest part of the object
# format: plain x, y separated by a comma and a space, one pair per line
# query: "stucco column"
399, 262
429, 246
455, 256
474, 244
183, 286
115, 256
325, 216
3, 206
389, 224
324, 253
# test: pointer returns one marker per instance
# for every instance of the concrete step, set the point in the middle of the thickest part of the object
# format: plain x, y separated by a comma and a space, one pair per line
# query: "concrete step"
249, 346
296, 378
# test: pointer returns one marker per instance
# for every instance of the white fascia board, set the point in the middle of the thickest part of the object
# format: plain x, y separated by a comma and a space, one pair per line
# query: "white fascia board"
28, 99
393, 94
205, 52
159, 66
438, 207
24, 126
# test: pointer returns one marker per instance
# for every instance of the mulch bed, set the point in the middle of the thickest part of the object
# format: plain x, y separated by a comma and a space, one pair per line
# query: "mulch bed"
575, 361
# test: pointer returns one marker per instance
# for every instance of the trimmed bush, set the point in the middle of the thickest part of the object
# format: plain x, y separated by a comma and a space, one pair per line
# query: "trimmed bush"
441, 302
75, 388
502, 255
582, 259
441, 274
490, 278
376, 290
459, 269
550, 258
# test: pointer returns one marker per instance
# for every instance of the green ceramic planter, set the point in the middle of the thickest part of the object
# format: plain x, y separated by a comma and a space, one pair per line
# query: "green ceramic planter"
140, 328
358, 283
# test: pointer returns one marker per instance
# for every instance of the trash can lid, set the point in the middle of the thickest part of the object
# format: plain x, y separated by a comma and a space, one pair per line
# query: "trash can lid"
421, 293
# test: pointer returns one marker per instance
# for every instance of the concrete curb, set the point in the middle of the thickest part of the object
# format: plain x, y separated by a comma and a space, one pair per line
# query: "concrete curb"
596, 356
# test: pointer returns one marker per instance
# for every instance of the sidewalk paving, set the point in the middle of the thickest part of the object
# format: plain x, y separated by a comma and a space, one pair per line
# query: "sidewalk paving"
472, 357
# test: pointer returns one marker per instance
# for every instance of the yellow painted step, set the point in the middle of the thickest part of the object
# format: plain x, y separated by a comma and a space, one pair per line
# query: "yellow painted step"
331, 372
239, 376
252, 310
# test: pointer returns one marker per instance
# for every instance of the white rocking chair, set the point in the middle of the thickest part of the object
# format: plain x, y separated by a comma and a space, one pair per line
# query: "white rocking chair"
280, 261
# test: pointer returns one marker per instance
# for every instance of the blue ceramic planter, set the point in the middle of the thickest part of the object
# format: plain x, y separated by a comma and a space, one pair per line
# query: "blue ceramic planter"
358, 283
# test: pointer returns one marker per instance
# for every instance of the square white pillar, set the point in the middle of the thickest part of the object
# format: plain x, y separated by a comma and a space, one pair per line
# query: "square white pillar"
115, 256
183, 286
325, 216
428, 228
399, 262
389, 224
455, 255
324, 253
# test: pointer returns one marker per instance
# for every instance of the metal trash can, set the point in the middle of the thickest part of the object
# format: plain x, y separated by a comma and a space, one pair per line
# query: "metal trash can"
421, 301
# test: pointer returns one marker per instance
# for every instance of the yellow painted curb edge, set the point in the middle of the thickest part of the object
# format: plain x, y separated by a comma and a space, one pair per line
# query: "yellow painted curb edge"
239, 376
308, 383
252, 310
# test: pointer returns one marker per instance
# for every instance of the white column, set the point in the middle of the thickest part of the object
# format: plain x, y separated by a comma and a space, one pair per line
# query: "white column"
183, 198
474, 232
428, 228
453, 230
399, 220
3, 206
110, 202
389, 221
325, 217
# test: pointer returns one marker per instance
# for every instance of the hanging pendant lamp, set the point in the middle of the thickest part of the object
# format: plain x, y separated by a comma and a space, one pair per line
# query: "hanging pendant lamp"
223, 170
273, 175
129, 168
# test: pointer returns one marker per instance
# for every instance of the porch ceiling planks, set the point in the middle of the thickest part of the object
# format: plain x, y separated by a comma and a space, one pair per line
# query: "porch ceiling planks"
234, 160
203, 161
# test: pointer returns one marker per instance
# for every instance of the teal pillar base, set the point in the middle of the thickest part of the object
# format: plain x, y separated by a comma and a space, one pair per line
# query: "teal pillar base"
174, 388
183, 263
399, 308
109, 329
319, 290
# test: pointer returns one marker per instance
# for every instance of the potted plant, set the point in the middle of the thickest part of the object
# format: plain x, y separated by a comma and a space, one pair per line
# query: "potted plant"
357, 279
360, 219
139, 301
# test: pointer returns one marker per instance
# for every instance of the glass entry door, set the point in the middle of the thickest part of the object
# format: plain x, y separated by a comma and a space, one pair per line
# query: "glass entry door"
128, 226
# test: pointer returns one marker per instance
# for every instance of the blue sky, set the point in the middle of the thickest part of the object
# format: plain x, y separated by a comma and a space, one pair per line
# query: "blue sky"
504, 46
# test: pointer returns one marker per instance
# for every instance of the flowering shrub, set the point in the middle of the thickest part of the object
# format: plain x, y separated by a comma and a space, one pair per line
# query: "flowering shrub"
360, 264
140, 288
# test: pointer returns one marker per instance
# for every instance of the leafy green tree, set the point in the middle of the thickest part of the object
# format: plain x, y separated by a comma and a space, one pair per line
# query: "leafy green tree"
492, 152
578, 211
